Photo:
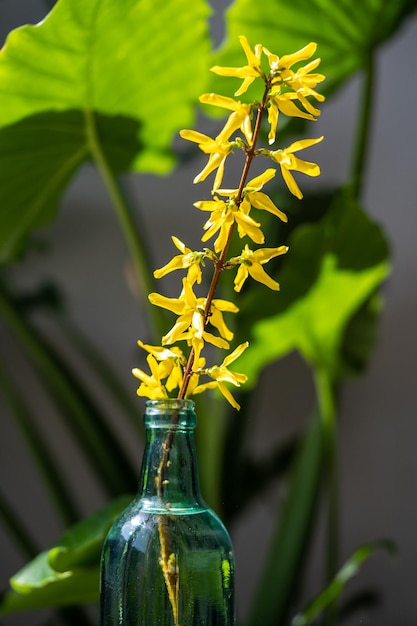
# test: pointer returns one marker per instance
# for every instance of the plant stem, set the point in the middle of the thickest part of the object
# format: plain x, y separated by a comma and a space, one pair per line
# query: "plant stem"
327, 410
135, 243
171, 579
364, 128
220, 263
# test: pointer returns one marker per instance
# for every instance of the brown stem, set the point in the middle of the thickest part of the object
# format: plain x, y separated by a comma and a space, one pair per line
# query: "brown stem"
220, 263
168, 558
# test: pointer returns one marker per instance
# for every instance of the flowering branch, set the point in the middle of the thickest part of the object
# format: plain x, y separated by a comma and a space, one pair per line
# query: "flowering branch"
286, 92
196, 316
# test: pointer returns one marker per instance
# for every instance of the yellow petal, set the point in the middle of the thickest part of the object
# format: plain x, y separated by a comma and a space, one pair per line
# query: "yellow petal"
258, 273
179, 245
176, 305
176, 332
241, 275
263, 255
226, 393
220, 101
193, 135
235, 354
259, 181
291, 183
260, 200
302, 144
301, 55
306, 167
273, 121
291, 110
176, 263
245, 85
225, 305
253, 58
219, 342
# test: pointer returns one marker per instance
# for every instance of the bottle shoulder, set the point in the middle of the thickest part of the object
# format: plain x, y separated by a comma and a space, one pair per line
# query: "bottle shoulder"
143, 517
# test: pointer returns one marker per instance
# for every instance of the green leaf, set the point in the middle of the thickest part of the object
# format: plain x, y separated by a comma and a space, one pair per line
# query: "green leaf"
68, 573
335, 588
279, 576
93, 72
346, 32
82, 544
80, 586
333, 267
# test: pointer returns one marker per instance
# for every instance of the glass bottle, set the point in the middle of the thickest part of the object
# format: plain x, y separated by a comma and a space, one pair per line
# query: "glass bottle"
168, 560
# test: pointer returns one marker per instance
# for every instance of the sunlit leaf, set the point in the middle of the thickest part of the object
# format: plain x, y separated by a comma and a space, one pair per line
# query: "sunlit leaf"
68, 573
80, 586
333, 267
82, 544
93, 73
346, 32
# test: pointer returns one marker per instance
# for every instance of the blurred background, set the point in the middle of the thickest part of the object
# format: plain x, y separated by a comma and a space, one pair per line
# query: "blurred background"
378, 425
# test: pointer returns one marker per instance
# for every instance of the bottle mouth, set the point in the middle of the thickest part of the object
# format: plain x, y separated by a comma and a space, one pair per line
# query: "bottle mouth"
171, 404
170, 412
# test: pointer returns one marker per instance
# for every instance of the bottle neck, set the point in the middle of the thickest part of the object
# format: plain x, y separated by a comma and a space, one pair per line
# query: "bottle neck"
169, 477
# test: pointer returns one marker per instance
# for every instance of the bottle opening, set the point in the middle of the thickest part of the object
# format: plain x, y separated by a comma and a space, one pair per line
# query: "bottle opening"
170, 412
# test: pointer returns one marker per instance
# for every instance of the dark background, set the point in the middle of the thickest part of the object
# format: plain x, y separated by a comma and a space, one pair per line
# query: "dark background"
378, 427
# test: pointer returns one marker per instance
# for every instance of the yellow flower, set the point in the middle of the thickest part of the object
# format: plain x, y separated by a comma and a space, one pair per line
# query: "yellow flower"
250, 263
252, 196
190, 320
288, 162
240, 118
171, 362
301, 82
188, 259
223, 215
248, 72
151, 385
218, 149
282, 102
278, 64
221, 374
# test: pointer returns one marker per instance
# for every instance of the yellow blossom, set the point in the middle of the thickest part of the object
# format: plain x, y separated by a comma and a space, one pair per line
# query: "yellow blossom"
221, 374
301, 82
252, 196
278, 64
250, 263
190, 320
170, 366
188, 259
218, 149
151, 385
283, 102
248, 72
223, 215
289, 86
240, 118
288, 162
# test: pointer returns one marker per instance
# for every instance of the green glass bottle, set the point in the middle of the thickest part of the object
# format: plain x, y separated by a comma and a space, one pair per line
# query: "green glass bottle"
168, 560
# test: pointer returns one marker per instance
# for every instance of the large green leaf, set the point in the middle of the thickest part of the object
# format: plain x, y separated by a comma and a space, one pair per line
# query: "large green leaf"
68, 573
333, 267
346, 31
94, 75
